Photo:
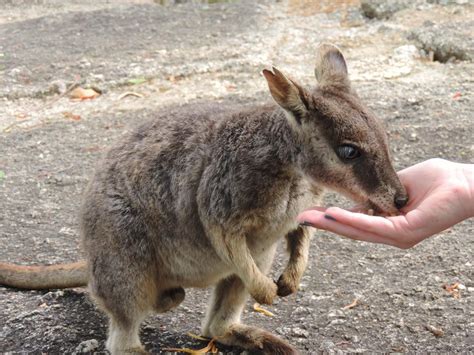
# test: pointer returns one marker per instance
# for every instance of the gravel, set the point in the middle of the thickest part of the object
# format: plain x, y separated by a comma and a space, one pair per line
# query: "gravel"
50, 144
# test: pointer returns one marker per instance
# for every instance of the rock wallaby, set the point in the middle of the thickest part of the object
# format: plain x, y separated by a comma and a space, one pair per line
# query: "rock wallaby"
201, 197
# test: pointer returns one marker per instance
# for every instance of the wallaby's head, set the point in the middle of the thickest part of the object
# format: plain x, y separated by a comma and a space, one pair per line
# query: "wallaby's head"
343, 145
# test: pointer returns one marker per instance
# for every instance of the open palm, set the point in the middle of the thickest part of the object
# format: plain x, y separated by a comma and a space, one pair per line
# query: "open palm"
440, 196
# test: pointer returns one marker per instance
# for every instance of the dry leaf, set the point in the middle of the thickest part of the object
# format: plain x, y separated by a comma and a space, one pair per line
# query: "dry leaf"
352, 305
436, 331
258, 308
453, 289
21, 117
211, 347
71, 116
130, 93
83, 94
137, 81
194, 336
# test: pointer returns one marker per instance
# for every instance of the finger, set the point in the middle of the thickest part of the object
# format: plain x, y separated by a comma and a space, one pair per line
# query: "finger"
311, 216
351, 232
373, 224
356, 208
320, 220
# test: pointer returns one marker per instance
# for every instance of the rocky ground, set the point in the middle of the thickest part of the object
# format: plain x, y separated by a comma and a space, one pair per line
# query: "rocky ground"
411, 63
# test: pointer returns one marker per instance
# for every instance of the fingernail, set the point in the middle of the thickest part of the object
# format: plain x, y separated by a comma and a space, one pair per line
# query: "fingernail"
306, 224
331, 218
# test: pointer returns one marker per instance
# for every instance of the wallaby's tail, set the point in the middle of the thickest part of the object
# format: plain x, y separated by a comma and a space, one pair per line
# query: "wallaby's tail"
44, 277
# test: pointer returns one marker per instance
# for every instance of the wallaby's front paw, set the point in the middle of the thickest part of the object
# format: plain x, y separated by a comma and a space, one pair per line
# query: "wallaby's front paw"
265, 292
287, 285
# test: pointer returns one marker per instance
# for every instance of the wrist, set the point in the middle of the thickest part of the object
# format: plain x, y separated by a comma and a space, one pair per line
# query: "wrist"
467, 188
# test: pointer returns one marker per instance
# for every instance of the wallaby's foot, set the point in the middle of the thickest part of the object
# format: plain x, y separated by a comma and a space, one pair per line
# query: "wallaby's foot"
256, 340
169, 299
123, 336
127, 297
223, 321
123, 342
264, 291
287, 285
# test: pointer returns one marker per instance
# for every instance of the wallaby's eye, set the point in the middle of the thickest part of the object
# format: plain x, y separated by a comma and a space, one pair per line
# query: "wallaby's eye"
347, 152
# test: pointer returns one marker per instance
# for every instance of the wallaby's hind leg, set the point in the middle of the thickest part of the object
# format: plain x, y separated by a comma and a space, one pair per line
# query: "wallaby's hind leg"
124, 325
223, 321
227, 302
125, 321
127, 294
126, 307
223, 317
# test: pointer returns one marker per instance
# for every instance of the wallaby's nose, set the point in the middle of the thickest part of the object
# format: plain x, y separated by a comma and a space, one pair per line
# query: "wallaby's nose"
401, 201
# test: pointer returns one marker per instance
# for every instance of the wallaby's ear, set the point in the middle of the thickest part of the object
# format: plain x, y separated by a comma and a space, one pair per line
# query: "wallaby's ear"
286, 93
331, 68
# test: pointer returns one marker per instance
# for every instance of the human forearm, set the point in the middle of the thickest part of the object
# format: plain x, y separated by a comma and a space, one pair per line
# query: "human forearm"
467, 188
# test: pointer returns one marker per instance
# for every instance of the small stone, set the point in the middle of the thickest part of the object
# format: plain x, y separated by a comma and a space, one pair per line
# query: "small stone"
53, 295
58, 87
87, 346
337, 322
300, 333
84, 63
408, 51
300, 310
283, 330
326, 345
336, 314
98, 77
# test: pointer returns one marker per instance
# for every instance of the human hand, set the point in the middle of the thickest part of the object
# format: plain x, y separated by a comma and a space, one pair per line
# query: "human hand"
441, 194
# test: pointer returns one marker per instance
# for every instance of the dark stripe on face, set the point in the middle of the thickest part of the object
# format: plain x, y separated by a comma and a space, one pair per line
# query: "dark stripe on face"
366, 175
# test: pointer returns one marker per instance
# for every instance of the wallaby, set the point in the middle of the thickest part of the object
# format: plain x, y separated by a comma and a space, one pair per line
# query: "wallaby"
202, 197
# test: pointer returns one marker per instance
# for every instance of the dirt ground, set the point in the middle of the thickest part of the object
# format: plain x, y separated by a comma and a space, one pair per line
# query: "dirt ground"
176, 54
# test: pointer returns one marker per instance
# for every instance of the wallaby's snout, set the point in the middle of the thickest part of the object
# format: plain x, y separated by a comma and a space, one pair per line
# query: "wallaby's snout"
401, 201
343, 145
390, 196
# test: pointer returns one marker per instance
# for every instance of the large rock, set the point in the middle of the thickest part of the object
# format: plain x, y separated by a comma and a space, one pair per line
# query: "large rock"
448, 2
382, 9
446, 41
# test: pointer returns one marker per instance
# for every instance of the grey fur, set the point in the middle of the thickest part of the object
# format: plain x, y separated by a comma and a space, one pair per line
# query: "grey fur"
200, 196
